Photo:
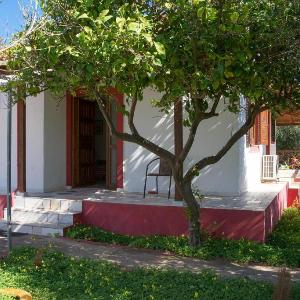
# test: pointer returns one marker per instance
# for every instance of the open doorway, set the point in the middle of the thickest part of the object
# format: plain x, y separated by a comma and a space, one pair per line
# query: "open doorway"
93, 149
94, 156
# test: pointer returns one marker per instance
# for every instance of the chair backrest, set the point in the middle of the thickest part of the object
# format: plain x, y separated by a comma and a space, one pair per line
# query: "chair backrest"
164, 168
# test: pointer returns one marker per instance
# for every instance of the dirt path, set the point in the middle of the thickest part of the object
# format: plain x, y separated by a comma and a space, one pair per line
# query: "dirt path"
128, 257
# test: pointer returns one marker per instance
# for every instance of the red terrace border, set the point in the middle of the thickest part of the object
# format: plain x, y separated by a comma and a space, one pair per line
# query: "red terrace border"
148, 220
292, 196
135, 220
2, 205
234, 224
274, 210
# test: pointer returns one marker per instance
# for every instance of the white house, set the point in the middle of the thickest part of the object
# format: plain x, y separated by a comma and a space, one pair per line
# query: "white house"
65, 143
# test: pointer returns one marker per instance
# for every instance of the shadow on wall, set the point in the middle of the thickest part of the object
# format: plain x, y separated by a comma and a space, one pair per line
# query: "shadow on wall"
222, 178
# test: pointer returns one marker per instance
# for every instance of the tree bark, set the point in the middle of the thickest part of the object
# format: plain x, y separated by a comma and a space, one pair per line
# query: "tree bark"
193, 209
193, 216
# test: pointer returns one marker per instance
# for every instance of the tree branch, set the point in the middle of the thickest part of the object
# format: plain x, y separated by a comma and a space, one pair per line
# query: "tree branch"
193, 130
134, 137
234, 138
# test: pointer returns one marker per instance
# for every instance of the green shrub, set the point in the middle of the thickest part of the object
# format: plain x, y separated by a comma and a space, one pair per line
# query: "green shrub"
282, 248
288, 137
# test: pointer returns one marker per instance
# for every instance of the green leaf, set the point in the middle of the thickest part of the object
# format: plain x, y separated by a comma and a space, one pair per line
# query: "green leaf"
103, 13
88, 30
228, 74
120, 22
201, 13
160, 48
148, 37
234, 17
103, 17
134, 26
83, 16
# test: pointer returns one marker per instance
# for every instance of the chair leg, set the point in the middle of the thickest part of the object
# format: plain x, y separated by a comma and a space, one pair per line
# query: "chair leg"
157, 185
170, 187
145, 185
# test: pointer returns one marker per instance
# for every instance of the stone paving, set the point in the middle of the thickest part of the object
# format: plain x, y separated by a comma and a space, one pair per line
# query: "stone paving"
257, 199
128, 258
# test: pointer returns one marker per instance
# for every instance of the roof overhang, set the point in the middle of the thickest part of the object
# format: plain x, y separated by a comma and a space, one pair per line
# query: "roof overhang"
289, 118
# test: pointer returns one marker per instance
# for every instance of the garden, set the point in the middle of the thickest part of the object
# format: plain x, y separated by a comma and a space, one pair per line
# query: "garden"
62, 277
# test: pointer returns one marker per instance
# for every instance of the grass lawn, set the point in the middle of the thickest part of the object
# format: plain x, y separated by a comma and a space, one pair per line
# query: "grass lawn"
281, 249
61, 277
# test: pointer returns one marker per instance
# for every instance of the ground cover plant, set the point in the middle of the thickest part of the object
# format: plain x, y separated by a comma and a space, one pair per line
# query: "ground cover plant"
282, 247
62, 277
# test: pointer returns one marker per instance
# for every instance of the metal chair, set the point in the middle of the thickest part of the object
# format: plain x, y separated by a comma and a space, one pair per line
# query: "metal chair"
163, 170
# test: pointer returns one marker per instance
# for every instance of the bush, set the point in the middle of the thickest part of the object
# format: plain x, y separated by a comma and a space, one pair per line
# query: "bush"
288, 137
281, 249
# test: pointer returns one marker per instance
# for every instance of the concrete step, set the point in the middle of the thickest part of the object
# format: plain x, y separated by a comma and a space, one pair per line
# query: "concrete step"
48, 204
286, 179
41, 216
43, 229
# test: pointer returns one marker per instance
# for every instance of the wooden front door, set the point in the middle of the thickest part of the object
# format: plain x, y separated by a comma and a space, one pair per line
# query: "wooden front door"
84, 164
86, 142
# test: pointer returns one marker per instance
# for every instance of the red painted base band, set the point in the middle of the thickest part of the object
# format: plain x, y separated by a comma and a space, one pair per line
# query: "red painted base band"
2, 205
146, 220
292, 196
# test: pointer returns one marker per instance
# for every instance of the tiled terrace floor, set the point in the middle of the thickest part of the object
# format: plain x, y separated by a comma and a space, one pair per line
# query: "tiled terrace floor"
256, 200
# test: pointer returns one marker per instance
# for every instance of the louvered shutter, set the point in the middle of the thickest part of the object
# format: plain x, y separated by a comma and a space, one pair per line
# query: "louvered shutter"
264, 128
252, 135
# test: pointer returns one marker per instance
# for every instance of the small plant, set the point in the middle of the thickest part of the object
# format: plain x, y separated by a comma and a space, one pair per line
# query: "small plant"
283, 287
38, 259
284, 166
294, 163
198, 194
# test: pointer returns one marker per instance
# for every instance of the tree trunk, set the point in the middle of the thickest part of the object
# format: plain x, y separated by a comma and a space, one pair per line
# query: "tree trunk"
193, 213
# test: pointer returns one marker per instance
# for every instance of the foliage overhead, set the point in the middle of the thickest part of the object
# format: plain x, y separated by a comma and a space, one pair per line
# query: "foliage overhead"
186, 47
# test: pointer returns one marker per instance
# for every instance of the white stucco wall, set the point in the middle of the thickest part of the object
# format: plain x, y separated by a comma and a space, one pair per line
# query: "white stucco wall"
35, 143
45, 144
3, 145
253, 165
273, 150
225, 177
54, 143
238, 171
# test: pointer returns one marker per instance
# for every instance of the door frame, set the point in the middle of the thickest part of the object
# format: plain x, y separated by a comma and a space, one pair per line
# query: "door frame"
71, 140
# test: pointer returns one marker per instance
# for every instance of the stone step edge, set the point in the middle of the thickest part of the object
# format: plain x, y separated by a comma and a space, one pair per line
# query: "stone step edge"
48, 204
3, 224
28, 198
39, 229
43, 211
